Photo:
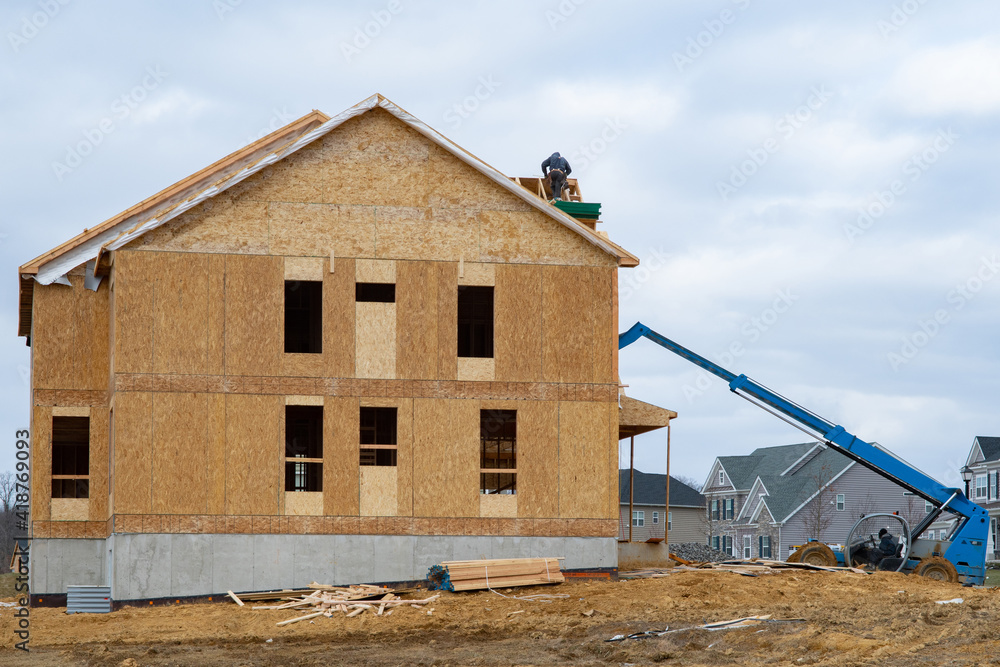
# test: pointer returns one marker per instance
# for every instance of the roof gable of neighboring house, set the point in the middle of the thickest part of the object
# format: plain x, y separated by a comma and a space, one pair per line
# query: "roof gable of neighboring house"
738, 473
314, 143
988, 448
753, 499
807, 483
650, 489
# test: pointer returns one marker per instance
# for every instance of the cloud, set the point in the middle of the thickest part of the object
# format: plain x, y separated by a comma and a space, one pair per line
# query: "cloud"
963, 78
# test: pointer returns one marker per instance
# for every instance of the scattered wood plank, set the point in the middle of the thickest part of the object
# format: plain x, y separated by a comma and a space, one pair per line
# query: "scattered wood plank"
235, 599
301, 618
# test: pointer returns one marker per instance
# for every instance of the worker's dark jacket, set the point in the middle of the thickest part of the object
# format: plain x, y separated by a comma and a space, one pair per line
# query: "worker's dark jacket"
559, 163
888, 545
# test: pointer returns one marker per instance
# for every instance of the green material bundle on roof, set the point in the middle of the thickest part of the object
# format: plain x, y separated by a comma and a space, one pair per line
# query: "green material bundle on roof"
578, 209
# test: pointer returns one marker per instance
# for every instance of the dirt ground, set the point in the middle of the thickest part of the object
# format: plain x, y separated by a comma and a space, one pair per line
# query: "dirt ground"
848, 619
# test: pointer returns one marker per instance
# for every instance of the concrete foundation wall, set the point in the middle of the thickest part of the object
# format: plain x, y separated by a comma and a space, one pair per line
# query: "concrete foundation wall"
638, 555
162, 565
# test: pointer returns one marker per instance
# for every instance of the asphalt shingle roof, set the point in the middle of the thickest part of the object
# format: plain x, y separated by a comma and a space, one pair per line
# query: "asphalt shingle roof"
990, 446
650, 489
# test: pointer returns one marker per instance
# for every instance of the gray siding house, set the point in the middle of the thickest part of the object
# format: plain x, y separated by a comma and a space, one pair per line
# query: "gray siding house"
984, 487
766, 503
684, 520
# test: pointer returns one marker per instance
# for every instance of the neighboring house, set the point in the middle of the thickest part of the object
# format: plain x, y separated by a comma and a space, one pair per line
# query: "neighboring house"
984, 487
763, 504
683, 519
345, 353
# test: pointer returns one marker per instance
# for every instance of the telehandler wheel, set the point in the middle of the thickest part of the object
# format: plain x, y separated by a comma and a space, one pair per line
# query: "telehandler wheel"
937, 568
796, 556
817, 554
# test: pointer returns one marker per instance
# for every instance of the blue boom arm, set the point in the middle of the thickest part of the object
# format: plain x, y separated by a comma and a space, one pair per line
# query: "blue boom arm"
968, 542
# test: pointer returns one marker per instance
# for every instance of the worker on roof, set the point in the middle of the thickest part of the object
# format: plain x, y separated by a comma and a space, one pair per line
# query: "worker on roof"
557, 169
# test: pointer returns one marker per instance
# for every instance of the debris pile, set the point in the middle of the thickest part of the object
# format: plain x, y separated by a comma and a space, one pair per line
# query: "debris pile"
326, 601
472, 575
698, 553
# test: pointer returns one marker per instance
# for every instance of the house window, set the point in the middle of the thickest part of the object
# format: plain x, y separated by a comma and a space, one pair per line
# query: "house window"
670, 519
715, 543
378, 436
980, 486
475, 321
722, 478
498, 451
375, 292
303, 316
730, 508
928, 507
747, 542
638, 518
841, 502
715, 509
930, 535
764, 546
656, 518
728, 549
303, 448
71, 457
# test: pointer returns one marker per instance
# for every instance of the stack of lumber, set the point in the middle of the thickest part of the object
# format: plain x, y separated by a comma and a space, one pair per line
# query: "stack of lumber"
329, 600
747, 568
473, 575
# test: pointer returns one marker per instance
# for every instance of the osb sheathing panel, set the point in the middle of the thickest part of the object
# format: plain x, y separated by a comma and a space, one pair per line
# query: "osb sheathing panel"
497, 505
70, 336
216, 452
375, 271
476, 369
304, 268
255, 302
537, 458
318, 229
133, 452
71, 509
375, 340
603, 292
256, 453
567, 324
304, 503
445, 458
447, 323
41, 462
584, 440
531, 237
404, 456
180, 450
379, 488
613, 497
133, 314
416, 320
410, 232
517, 313
99, 425
476, 273
226, 223
341, 456
182, 310
454, 184
338, 317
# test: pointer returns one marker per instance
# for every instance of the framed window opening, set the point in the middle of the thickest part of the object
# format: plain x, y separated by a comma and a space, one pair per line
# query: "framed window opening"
303, 317
498, 451
71, 457
375, 292
475, 321
303, 448
378, 436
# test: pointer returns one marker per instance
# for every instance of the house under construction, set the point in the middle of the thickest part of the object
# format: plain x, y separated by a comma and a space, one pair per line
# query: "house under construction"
344, 353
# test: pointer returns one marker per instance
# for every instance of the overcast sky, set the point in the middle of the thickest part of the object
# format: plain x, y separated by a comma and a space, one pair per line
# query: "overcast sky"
810, 186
